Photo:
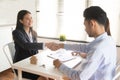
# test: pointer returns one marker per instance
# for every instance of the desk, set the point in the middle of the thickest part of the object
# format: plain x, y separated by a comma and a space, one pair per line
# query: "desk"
49, 70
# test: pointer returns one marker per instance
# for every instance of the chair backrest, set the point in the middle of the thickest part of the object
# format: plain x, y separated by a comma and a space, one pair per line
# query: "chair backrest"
12, 49
117, 75
9, 51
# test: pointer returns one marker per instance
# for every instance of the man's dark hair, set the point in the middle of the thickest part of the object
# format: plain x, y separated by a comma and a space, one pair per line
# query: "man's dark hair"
98, 14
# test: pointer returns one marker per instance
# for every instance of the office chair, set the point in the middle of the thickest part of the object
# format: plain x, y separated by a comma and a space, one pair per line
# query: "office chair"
117, 75
9, 51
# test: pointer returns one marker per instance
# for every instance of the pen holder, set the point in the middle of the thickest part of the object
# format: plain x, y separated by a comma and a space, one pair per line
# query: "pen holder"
33, 60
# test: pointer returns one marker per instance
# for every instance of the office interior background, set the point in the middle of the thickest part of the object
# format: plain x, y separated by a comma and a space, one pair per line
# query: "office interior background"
55, 17
51, 18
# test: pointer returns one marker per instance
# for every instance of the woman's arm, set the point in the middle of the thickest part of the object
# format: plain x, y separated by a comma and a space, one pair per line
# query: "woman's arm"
20, 39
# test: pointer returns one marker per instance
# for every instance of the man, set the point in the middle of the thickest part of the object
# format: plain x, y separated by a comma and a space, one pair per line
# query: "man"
100, 53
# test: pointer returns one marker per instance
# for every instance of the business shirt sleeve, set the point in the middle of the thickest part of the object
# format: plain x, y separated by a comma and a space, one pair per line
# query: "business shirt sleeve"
88, 70
76, 47
20, 39
72, 74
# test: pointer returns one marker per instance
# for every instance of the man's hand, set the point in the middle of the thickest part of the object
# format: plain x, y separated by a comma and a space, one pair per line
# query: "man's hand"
57, 63
83, 55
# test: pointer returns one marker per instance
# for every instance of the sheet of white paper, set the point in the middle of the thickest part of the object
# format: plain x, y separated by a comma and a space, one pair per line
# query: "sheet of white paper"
62, 55
73, 63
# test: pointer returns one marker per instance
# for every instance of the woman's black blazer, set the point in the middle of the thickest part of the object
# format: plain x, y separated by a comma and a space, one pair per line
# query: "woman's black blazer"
23, 47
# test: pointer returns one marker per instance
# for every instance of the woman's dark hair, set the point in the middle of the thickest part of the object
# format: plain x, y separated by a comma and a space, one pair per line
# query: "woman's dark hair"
20, 16
98, 14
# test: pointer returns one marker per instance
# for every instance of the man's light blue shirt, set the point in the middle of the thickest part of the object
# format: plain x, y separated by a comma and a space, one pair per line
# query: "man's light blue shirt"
100, 62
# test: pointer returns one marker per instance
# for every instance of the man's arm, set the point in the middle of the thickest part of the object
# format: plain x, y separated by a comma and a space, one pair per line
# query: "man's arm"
88, 69
73, 47
72, 74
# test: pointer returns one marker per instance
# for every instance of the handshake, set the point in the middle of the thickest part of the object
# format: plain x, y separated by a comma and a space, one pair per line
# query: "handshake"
54, 46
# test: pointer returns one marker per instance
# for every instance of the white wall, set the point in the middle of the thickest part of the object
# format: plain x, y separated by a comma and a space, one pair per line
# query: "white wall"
10, 8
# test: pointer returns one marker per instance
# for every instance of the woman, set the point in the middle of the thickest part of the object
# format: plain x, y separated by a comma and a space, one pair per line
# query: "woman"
25, 40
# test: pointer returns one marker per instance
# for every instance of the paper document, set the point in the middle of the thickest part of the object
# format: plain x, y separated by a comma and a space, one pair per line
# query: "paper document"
73, 63
66, 57
62, 55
